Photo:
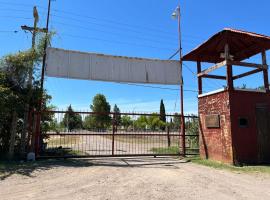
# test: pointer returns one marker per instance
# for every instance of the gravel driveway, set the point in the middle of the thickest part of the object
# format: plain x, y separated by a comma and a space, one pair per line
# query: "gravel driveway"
131, 178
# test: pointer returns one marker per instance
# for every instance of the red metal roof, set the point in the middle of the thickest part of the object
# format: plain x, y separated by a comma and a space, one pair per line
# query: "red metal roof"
242, 45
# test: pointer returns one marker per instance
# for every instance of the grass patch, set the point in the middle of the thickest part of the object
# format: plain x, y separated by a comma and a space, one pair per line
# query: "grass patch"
219, 165
63, 152
166, 150
137, 139
172, 150
63, 140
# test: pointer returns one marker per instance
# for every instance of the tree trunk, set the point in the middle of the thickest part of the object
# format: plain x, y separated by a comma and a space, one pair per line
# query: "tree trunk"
13, 132
24, 131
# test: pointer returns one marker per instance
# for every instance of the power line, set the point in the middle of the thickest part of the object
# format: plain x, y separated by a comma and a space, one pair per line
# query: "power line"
111, 26
111, 33
5, 31
117, 34
20, 4
15, 17
17, 10
152, 29
114, 22
21, 10
126, 28
114, 41
195, 75
157, 87
171, 57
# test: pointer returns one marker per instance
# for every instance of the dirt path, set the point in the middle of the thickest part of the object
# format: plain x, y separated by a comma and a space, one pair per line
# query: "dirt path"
101, 144
132, 178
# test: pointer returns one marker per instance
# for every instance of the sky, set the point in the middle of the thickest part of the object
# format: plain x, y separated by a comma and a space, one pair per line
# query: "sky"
141, 28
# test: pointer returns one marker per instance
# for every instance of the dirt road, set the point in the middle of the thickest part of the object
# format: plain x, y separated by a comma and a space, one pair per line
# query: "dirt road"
131, 178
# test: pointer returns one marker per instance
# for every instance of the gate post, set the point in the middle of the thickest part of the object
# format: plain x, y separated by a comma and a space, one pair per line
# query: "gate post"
113, 131
168, 136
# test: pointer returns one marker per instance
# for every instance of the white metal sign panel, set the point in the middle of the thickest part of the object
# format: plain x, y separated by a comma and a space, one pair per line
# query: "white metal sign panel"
92, 66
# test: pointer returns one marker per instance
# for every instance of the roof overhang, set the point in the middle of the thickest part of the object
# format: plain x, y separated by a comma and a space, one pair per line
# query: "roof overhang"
242, 45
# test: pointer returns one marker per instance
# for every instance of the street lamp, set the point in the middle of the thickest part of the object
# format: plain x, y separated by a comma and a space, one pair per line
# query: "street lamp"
176, 12
177, 15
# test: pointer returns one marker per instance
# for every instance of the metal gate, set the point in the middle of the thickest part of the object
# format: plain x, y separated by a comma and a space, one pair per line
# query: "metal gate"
89, 134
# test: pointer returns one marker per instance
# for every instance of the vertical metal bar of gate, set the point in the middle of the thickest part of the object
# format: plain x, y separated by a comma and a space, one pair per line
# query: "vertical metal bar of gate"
113, 131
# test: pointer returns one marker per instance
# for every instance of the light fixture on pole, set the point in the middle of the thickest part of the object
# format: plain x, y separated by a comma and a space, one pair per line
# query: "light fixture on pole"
177, 15
176, 12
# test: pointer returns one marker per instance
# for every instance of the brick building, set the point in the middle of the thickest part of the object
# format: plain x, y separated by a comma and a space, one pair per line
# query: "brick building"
234, 123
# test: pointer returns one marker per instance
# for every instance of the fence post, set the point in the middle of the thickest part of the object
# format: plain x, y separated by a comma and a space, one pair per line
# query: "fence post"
183, 135
168, 136
113, 131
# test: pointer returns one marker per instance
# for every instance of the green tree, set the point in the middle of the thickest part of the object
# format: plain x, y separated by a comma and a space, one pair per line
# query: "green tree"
89, 122
192, 128
100, 106
153, 122
162, 117
116, 110
141, 122
176, 121
126, 122
72, 120
14, 93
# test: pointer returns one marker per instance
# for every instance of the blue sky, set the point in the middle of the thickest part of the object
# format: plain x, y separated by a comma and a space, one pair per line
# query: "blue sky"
141, 28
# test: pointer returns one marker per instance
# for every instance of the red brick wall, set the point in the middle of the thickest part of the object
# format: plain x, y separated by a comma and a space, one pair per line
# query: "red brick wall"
216, 143
231, 142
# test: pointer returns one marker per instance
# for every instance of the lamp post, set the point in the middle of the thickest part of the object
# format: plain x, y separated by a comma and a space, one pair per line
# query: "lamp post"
177, 15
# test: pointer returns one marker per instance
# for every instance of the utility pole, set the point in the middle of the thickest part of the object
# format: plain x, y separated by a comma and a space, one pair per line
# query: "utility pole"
33, 30
38, 126
177, 14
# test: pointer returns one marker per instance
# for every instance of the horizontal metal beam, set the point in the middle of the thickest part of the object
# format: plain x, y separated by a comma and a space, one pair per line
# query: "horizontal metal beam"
247, 73
118, 134
112, 113
214, 76
246, 64
210, 69
116, 155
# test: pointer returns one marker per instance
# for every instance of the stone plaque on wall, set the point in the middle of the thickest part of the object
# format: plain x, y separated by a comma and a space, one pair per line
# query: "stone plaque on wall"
212, 121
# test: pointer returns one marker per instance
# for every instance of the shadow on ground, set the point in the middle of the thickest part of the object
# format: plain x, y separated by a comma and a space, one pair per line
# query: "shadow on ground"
8, 169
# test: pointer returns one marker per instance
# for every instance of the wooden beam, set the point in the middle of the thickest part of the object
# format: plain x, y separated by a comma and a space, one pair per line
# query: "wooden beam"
265, 72
214, 76
247, 73
199, 69
246, 64
210, 69
229, 77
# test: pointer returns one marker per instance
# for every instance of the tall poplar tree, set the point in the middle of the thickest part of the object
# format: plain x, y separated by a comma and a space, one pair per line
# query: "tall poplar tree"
162, 113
